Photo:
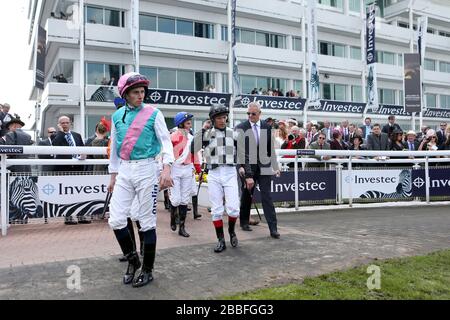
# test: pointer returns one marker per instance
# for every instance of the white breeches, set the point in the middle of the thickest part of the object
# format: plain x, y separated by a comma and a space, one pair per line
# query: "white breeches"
223, 184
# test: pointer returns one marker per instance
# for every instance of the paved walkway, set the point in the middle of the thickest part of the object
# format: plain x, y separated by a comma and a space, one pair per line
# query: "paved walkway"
34, 259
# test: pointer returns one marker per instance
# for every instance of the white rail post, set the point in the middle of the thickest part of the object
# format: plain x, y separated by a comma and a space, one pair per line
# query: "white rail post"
339, 184
4, 198
427, 180
296, 181
350, 174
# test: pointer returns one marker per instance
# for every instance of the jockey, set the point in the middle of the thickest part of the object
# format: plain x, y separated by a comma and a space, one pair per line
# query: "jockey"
138, 134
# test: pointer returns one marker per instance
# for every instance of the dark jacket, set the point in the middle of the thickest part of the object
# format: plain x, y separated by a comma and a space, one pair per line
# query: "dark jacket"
380, 142
415, 143
59, 139
389, 129
18, 138
255, 159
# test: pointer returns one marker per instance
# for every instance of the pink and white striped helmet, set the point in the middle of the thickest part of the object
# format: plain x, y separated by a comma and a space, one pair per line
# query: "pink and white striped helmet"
132, 79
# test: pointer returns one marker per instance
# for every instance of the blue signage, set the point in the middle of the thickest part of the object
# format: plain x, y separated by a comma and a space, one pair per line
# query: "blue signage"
312, 185
439, 182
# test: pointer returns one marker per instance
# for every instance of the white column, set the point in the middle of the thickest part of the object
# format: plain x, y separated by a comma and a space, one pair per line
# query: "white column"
218, 31
81, 65
346, 7
411, 25
289, 41
218, 82
76, 71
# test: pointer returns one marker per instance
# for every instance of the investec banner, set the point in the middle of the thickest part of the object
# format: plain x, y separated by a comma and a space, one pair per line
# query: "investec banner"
391, 110
339, 107
312, 185
436, 113
270, 102
72, 189
186, 98
439, 182
377, 184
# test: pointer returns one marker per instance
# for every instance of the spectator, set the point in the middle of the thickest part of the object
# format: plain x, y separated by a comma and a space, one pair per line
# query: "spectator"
101, 140
270, 122
104, 82
281, 134
112, 81
422, 133
366, 128
391, 126
66, 137
5, 117
337, 143
47, 142
411, 143
352, 133
295, 140
320, 144
396, 143
60, 78
441, 133
357, 144
17, 137
377, 140
314, 133
446, 144
327, 130
429, 143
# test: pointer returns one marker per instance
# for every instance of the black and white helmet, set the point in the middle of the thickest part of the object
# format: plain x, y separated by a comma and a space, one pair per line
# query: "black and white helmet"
217, 109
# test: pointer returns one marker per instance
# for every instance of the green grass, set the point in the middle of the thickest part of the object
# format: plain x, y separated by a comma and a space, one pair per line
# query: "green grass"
421, 277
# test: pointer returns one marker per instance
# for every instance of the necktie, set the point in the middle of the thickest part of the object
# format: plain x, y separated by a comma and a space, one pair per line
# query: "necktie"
410, 147
69, 140
321, 146
255, 131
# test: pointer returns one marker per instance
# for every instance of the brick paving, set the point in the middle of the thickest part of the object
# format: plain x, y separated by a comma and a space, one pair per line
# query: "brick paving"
34, 258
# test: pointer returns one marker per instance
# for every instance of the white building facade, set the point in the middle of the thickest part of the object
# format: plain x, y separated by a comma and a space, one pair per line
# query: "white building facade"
184, 46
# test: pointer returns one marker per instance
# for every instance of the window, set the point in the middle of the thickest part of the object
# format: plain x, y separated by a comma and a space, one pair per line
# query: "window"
248, 83
357, 94
445, 101
444, 66
147, 22
224, 33
99, 73
298, 87
64, 67
203, 79
444, 34
167, 79
400, 98
277, 41
166, 25
185, 27
400, 59
431, 100
331, 91
332, 49
430, 64
247, 36
355, 53
354, 5
332, 3
151, 74
386, 96
225, 82
386, 57
104, 16
185, 80
262, 39
203, 30
296, 44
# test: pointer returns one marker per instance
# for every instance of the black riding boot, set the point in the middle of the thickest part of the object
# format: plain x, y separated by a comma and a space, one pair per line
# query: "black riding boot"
126, 244
183, 212
166, 200
133, 239
146, 276
141, 239
173, 213
195, 207
220, 236
233, 237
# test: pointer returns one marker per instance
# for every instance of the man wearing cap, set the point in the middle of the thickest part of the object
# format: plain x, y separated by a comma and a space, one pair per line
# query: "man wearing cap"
5, 117
16, 136
411, 143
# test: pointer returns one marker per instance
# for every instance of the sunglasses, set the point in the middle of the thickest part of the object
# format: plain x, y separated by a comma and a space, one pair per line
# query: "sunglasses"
52, 132
321, 138
252, 113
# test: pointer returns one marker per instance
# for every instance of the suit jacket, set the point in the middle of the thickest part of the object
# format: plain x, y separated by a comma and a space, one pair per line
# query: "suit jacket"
441, 137
18, 138
378, 143
45, 142
364, 130
345, 137
252, 158
315, 146
336, 145
415, 143
59, 139
325, 132
388, 129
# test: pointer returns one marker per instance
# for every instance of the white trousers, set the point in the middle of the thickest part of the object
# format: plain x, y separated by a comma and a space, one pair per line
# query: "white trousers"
181, 191
136, 179
223, 184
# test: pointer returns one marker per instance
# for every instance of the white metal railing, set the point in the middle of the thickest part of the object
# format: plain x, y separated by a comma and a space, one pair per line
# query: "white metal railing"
300, 156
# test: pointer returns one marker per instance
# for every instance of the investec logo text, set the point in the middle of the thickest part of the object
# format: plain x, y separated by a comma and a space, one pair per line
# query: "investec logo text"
274, 103
364, 180
74, 190
302, 186
185, 99
340, 107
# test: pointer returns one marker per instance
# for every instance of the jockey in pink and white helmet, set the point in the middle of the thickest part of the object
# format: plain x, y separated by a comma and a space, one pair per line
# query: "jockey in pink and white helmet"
132, 80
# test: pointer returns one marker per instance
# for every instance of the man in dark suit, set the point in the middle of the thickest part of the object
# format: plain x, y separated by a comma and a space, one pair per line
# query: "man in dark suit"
47, 142
391, 126
67, 138
411, 143
256, 145
441, 133
377, 140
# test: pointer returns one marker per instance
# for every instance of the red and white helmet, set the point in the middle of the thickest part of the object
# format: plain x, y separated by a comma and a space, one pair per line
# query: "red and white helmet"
132, 79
